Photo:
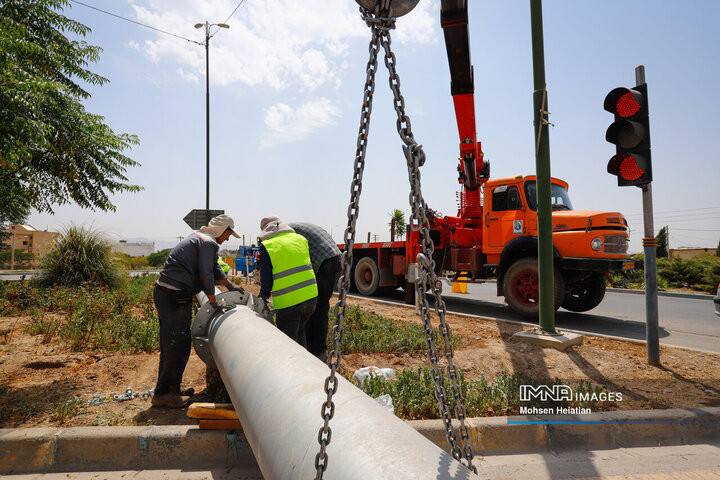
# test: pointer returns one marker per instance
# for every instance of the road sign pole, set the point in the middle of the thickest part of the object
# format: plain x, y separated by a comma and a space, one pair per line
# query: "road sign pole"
650, 254
546, 289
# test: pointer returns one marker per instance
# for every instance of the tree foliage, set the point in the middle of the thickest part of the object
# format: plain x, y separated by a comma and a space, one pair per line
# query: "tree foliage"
399, 223
52, 151
157, 259
662, 243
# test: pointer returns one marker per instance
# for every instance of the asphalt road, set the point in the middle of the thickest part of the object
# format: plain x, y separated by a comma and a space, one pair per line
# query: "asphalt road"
684, 322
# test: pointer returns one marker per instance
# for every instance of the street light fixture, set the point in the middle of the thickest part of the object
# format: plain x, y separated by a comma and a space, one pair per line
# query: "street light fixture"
207, 112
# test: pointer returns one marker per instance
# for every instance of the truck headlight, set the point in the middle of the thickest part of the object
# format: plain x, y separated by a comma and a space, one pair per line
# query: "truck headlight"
597, 244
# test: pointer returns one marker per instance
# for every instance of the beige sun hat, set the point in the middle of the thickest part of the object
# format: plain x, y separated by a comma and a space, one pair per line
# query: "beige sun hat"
219, 224
272, 225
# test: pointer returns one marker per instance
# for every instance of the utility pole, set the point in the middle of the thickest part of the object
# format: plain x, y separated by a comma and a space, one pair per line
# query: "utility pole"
546, 277
207, 112
650, 248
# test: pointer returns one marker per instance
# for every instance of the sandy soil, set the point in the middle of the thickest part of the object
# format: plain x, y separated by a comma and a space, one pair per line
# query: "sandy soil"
37, 379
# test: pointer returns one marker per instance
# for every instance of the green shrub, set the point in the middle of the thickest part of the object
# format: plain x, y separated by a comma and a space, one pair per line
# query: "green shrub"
701, 272
157, 259
80, 256
90, 317
370, 333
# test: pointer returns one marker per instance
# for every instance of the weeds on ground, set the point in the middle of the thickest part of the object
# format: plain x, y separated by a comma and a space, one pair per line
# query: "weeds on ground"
371, 333
88, 316
413, 394
67, 409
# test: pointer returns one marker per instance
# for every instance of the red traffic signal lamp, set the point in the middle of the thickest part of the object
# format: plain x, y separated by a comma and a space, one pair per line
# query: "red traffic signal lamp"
630, 132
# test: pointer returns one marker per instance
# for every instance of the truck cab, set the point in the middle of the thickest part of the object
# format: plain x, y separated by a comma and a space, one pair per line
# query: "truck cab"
587, 245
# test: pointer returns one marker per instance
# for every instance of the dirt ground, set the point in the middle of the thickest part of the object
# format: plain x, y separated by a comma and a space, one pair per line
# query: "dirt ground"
37, 379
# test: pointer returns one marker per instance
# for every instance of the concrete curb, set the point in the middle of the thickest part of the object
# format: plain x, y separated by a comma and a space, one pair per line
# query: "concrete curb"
41, 450
662, 294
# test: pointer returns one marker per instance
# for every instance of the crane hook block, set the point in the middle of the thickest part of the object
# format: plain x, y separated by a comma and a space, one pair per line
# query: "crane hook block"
399, 7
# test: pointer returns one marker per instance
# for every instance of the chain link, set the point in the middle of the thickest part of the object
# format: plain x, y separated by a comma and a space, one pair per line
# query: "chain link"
427, 280
328, 407
381, 22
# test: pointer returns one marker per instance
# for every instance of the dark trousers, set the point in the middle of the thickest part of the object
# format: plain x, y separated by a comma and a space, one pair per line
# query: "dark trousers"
317, 326
292, 320
175, 315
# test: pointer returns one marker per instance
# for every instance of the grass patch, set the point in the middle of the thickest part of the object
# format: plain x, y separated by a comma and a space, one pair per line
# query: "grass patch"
88, 317
413, 394
366, 332
67, 409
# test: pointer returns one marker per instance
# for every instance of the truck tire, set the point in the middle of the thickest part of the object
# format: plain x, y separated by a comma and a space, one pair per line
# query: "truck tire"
586, 295
521, 287
366, 276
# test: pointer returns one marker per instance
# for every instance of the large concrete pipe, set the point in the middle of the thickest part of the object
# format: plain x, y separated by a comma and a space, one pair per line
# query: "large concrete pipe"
276, 387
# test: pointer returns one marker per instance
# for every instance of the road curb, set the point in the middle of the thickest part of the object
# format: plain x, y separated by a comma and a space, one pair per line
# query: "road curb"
662, 294
42, 450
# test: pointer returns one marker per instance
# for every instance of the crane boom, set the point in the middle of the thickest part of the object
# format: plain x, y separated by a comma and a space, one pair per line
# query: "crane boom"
473, 170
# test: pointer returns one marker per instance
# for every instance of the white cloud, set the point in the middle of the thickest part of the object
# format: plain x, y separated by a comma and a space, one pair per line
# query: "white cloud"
190, 77
286, 124
270, 43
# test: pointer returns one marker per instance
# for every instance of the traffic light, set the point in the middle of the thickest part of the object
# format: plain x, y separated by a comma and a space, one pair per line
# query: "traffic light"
630, 132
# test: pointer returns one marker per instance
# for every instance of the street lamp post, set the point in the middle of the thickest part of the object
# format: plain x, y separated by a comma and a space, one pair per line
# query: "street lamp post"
207, 112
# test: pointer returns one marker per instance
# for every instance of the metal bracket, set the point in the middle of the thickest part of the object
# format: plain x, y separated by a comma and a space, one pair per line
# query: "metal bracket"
206, 315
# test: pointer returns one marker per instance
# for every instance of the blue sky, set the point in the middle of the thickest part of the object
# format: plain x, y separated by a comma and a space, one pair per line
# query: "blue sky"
286, 86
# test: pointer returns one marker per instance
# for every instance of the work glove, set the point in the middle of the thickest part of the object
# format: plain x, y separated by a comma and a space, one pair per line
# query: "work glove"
233, 288
219, 303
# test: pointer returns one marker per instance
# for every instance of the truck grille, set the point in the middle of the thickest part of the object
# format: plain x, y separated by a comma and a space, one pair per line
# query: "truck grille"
615, 244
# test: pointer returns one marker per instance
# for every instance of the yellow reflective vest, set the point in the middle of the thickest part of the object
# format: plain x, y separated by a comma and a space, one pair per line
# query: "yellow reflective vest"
293, 277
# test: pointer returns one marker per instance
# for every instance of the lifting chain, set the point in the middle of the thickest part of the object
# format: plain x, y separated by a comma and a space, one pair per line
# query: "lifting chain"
328, 407
381, 21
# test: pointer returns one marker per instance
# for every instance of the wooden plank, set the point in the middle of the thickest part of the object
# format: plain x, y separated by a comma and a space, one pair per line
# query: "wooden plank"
220, 424
212, 411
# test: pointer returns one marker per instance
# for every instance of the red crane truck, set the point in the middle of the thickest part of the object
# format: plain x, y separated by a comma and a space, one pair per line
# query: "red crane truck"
494, 235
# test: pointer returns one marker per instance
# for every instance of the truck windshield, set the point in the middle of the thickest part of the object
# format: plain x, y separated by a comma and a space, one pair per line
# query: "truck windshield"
559, 196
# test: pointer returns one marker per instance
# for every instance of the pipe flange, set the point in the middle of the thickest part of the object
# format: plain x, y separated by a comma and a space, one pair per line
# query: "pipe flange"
206, 315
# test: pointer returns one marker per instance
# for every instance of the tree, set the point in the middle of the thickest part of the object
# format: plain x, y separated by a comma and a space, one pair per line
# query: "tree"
52, 151
662, 243
157, 259
717, 252
397, 224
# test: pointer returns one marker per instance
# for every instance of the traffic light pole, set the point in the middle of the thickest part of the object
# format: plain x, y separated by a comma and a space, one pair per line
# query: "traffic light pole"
650, 254
542, 166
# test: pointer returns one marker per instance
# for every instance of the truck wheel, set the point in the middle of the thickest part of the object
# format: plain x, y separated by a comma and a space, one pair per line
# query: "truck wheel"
585, 295
367, 276
521, 287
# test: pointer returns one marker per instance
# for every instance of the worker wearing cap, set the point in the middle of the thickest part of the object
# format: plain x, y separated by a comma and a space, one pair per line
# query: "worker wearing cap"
190, 268
325, 258
286, 274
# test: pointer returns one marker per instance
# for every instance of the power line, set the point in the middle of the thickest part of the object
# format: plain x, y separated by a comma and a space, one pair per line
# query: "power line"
229, 17
674, 211
695, 230
135, 22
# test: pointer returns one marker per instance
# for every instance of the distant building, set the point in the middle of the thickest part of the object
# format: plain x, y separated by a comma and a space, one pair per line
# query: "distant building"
134, 249
690, 252
31, 240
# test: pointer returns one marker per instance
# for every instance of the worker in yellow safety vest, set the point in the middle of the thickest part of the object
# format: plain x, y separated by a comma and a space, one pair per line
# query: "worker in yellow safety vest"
287, 275
223, 266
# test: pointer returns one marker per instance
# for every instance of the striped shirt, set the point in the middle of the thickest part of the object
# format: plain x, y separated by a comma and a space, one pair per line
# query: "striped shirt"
321, 244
